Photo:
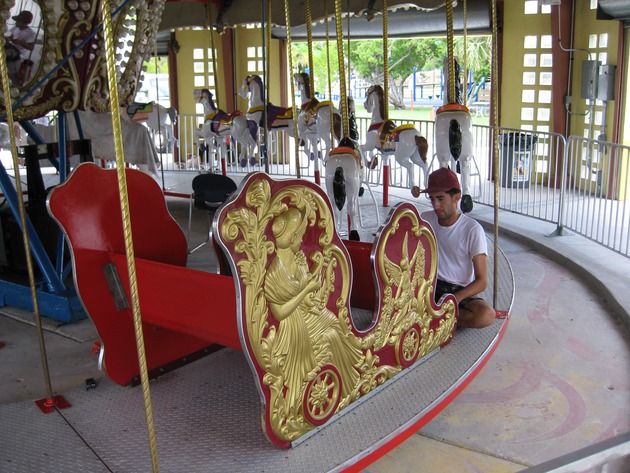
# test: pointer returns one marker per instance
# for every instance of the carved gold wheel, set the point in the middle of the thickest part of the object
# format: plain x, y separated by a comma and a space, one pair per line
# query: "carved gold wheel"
408, 347
322, 396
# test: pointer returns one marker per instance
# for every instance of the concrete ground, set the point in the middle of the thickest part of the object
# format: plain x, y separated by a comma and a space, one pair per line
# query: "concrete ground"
559, 381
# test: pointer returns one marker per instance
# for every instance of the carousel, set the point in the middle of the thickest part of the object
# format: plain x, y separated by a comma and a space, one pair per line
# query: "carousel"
308, 350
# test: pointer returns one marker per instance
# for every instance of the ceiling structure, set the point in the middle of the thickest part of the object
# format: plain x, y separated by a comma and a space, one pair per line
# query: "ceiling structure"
225, 13
406, 18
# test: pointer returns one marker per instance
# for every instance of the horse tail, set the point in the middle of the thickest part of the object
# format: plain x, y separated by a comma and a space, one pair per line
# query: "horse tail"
455, 136
423, 147
339, 188
172, 113
337, 125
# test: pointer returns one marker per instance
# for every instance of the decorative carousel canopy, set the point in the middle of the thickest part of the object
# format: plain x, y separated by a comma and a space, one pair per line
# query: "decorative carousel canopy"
226, 13
56, 54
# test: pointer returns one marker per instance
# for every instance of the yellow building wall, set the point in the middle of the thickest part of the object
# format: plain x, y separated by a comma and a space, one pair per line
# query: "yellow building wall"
190, 40
600, 38
516, 27
248, 59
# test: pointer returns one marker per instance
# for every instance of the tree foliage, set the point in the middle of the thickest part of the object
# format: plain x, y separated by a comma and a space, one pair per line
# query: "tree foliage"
320, 63
366, 57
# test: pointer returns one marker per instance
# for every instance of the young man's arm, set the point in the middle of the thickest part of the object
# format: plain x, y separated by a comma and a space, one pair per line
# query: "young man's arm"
479, 284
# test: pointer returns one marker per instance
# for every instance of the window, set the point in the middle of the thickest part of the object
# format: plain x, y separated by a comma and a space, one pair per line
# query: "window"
203, 73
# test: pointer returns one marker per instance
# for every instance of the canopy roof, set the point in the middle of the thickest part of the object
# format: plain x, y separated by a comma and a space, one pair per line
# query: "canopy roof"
181, 13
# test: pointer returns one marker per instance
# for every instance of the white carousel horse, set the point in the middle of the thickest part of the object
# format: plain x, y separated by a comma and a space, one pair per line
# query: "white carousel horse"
278, 118
453, 141
314, 119
159, 119
219, 124
406, 143
344, 179
5, 136
139, 149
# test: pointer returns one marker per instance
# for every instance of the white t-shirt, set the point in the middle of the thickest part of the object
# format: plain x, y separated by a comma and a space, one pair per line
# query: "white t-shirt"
27, 35
457, 245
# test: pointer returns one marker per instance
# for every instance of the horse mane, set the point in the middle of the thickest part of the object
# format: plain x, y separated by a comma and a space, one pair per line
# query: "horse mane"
352, 120
257, 79
381, 106
209, 95
306, 79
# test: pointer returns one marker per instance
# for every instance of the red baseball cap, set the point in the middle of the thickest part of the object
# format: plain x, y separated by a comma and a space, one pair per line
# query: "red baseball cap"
442, 180
24, 16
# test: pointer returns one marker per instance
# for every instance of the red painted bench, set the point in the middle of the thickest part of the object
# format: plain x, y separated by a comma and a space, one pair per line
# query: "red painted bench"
287, 305
183, 310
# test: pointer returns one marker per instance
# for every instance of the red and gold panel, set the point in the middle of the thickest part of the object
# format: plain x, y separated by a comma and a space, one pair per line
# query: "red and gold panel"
293, 276
42, 34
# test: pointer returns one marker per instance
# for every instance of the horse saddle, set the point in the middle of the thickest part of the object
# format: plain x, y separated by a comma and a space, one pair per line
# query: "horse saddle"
389, 134
276, 113
308, 113
139, 112
325, 103
221, 120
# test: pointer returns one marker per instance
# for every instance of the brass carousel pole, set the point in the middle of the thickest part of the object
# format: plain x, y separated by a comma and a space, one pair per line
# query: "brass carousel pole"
108, 34
50, 402
495, 127
287, 15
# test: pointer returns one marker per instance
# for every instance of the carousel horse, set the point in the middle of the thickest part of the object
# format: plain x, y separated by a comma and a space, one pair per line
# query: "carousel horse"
453, 141
344, 179
219, 124
314, 119
406, 143
159, 119
97, 127
5, 136
278, 118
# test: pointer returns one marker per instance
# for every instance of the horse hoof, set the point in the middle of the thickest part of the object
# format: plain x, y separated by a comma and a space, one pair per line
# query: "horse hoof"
415, 191
243, 162
253, 161
466, 204
354, 235
361, 191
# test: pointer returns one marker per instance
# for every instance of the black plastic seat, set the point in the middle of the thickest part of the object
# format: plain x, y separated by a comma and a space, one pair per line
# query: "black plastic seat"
209, 192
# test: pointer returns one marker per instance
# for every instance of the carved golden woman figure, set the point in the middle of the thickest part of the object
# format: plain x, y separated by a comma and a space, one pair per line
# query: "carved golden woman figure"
309, 335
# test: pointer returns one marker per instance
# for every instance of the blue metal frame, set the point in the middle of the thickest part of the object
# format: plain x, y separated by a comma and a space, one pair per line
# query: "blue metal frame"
57, 301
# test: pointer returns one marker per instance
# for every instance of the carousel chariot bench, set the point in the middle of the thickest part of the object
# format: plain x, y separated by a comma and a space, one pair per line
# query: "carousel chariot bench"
287, 305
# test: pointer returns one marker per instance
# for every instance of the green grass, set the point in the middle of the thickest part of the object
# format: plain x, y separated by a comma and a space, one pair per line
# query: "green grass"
418, 113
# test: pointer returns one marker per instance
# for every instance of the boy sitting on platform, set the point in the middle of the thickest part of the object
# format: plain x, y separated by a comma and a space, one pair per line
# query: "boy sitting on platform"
462, 251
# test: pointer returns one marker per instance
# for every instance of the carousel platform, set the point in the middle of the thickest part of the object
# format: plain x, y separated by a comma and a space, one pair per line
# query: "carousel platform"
529, 405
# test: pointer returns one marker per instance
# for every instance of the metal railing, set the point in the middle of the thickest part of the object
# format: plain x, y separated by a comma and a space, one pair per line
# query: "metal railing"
579, 184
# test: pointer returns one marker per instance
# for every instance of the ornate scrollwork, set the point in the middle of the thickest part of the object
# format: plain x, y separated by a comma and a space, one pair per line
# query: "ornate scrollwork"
294, 275
68, 29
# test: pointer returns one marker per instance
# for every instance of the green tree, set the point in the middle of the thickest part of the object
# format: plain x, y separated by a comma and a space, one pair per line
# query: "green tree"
320, 63
478, 52
366, 59
161, 66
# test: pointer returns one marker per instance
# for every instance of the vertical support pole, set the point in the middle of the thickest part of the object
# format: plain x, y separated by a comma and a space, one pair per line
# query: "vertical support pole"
386, 183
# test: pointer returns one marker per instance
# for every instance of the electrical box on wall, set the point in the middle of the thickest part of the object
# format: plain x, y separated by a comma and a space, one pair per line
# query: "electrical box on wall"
590, 72
606, 82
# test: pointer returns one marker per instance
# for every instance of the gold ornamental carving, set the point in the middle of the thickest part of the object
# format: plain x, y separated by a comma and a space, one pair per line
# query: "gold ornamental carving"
294, 274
